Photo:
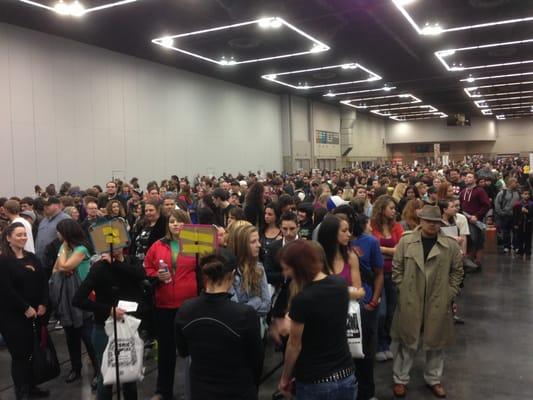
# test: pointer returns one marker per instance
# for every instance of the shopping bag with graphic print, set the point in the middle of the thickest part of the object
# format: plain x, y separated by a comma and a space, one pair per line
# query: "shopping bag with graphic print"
131, 347
353, 330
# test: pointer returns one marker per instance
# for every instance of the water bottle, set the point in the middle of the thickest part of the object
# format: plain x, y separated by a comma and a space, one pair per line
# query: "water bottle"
163, 266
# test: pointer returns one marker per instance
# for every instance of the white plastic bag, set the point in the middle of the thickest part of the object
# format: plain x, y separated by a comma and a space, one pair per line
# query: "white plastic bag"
131, 349
353, 330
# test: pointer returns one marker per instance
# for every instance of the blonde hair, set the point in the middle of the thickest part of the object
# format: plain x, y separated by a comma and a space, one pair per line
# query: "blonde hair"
246, 263
230, 236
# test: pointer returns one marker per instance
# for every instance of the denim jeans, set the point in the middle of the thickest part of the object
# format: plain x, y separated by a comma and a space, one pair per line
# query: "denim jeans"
386, 312
106, 392
506, 227
345, 389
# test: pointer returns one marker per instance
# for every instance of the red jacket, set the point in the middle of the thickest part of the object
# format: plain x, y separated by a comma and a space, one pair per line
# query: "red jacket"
183, 286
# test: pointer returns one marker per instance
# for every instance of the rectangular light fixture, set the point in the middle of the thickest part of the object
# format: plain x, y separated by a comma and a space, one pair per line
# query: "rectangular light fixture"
75, 8
382, 89
361, 102
351, 66
437, 29
443, 54
472, 91
483, 103
471, 78
316, 46
512, 107
387, 112
403, 118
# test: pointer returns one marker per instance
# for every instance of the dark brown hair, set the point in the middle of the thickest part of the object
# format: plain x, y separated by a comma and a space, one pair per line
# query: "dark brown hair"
304, 259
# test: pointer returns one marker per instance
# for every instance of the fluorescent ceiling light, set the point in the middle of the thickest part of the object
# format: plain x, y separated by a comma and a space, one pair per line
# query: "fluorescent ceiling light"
486, 111
74, 8
363, 105
442, 54
400, 118
481, 78
500, 116
385, 112
270, 22
334, 94
483, 103
352, 66
511, 107
437, 29
472, 92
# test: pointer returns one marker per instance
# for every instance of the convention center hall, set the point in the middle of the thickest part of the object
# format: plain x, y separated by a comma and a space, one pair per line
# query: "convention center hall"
266, 199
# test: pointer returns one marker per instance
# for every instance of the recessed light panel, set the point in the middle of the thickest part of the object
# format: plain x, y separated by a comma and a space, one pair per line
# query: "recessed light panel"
381, 101
247, 42
76, 8
436, 17
323, 77
481, 57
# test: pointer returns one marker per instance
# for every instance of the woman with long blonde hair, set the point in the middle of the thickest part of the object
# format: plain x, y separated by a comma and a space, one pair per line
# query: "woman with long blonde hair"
250, 285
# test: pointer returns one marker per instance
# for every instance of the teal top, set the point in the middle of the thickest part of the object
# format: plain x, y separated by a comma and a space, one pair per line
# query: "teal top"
85, 265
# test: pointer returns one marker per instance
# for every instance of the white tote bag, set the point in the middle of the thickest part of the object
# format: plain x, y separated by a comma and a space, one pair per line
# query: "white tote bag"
353, 330
131, 349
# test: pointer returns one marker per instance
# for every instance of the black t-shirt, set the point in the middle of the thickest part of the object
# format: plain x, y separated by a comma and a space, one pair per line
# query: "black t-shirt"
322, 307
428, 244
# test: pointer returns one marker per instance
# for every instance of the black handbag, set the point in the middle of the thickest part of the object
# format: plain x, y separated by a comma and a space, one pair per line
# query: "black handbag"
44, 362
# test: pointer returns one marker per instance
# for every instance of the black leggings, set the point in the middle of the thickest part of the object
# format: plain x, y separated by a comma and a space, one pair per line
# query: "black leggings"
18, 335
166, 351
74, 338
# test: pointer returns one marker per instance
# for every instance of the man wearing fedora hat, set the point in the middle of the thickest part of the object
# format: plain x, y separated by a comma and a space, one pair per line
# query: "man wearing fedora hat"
427, 271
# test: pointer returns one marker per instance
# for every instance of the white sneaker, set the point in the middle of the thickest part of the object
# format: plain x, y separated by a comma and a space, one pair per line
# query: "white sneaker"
506, 250
381, 356
388, 353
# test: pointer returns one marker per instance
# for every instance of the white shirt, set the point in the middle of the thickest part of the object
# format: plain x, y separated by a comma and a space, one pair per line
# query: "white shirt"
29, 244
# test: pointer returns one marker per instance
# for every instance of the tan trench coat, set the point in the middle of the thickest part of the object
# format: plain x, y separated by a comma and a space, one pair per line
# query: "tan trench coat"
426, 291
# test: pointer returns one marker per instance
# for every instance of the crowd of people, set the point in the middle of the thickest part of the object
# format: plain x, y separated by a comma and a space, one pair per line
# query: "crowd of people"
294, 249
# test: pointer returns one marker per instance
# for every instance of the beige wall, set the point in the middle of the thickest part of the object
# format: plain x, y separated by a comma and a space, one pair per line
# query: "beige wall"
510, 136
326, 118
436, 131
74, 112
369, 139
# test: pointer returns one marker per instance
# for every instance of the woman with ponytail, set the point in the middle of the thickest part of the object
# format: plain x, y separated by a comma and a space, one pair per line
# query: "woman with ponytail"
221, 337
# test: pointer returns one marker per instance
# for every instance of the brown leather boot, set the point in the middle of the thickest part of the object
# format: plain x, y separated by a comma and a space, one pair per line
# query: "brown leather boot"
399, 390
438, 390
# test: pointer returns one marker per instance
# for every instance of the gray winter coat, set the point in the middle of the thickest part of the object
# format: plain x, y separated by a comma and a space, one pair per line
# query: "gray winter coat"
62, 290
